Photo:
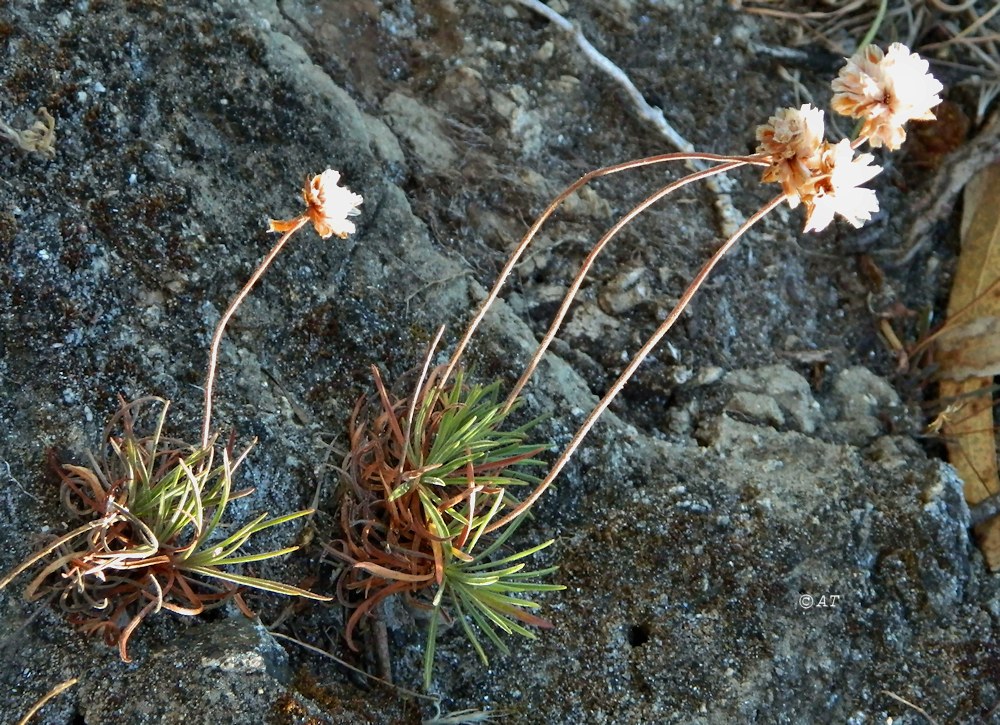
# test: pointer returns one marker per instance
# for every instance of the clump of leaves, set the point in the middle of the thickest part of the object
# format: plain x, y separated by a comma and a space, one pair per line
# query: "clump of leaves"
155, 505
155, 509
481, 589
425, 476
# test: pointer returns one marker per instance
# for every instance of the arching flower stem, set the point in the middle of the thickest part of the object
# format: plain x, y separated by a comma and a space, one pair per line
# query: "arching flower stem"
592, 257
550, 209
629, 371
328, 206
220, 328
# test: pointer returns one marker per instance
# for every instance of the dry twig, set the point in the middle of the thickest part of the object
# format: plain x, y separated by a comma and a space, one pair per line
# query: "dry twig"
54, 692
939, 198
909, 704
730, 218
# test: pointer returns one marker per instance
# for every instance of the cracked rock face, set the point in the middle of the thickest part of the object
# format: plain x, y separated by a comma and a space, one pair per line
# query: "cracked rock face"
744, 538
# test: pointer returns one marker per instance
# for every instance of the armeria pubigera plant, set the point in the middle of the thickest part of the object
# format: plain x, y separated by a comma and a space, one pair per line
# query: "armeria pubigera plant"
426, 473
410, 522
154, 506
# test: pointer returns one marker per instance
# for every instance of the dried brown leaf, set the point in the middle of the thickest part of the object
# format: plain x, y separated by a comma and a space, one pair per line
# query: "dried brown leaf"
988, 537
969, 349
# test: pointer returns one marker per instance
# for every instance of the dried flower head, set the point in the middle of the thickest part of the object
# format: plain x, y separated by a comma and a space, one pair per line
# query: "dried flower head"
822, 176
886, 90
792, 138
835, 188
328, 206
792, 132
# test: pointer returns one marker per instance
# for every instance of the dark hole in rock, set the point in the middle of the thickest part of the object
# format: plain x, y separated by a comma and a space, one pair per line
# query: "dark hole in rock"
638, 634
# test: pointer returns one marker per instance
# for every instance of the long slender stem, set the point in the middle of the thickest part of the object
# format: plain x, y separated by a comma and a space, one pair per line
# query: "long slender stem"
589, 262
651, 343
405, 443
553, 205
220, 328
876, 24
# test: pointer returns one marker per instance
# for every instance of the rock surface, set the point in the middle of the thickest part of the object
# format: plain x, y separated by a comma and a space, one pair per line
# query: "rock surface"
748, 538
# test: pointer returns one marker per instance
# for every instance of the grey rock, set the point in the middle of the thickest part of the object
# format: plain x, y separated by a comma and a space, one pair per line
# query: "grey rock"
226, 672
686, 563
761, 409
862, 401
789, 390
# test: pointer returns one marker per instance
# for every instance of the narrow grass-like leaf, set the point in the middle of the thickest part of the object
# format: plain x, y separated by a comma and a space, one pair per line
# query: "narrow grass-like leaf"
247, 558
508, 559
256, 583
482, 622
402, 489
431, 647
470, 633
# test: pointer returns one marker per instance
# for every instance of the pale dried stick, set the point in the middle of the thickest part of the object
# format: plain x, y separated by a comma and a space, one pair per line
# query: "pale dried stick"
653, 115
937, 202
54, 692
349, 666
972, 27
640, 356
591, 258
948, 8
729, 216
909, 704
817, 14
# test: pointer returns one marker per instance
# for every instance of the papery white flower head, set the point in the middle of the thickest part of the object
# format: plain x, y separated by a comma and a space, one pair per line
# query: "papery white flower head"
792, 132
835, 188
792, 138
329, 205
824, 177
886, 90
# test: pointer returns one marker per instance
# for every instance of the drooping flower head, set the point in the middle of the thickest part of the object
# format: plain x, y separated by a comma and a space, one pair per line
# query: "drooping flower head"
835, 188
792, 138
886, 90
824, 177
328, 206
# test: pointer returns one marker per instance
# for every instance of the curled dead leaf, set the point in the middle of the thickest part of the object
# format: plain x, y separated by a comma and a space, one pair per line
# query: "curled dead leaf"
968, 353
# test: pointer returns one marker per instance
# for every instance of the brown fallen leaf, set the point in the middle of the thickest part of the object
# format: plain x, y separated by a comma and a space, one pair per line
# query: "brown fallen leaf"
988, 538
968, 352
971, 350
